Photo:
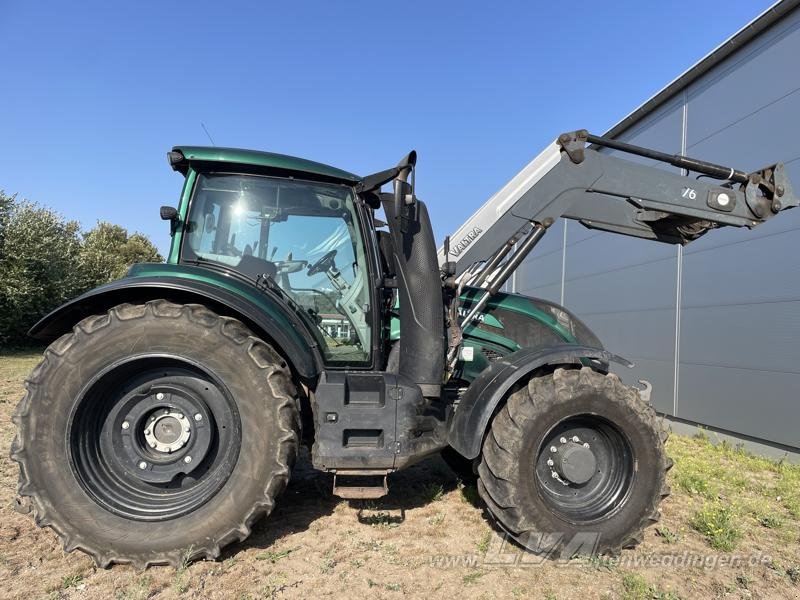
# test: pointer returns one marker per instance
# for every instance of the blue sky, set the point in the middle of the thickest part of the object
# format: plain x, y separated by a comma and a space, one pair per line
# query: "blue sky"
95, 93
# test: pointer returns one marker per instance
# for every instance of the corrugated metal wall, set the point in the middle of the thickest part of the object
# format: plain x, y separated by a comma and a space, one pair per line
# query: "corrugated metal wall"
714, 326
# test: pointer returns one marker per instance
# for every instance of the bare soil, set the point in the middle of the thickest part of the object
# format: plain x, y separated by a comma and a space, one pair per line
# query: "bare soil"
430, 538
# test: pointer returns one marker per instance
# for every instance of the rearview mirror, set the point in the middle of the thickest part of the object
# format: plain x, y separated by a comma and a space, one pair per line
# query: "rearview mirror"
170, 213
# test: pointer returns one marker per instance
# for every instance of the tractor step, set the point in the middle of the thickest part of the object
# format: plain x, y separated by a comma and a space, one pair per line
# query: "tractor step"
360, 485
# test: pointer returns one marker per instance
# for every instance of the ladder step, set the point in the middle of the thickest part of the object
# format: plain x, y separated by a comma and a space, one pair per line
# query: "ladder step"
360, 487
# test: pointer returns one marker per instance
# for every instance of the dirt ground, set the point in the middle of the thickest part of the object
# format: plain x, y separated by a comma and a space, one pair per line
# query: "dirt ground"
431, 539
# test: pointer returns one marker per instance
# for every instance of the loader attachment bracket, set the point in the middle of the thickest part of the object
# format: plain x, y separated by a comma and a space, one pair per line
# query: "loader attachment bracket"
574, 144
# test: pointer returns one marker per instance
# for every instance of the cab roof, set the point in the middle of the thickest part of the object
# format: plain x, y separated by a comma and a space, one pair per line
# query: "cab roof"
255, 158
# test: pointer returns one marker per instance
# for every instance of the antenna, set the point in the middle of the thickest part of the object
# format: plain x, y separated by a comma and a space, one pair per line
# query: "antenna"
203, 125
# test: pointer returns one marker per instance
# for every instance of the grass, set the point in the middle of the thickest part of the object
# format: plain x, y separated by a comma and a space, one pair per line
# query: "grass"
71, 580
328, 563
667, 535
181, 579
139, 589
473, 577
601, 563
469, 494
483, 544
636, 587
274, 556
739, 493
434, 492
719, 525
770, 521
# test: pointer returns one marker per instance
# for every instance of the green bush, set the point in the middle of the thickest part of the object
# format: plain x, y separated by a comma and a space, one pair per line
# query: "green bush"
45, 260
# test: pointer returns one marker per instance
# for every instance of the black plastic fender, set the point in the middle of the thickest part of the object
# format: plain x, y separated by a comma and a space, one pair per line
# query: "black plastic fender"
294, 341
471, 418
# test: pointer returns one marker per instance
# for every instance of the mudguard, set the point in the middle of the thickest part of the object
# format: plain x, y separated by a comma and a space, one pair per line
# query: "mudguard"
477, 405
265, 315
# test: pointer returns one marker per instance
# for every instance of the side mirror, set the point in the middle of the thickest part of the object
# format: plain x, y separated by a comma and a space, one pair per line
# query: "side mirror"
403, 196
170, 213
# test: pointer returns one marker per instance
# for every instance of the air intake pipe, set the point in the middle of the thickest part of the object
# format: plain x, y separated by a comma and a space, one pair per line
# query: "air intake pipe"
422, 333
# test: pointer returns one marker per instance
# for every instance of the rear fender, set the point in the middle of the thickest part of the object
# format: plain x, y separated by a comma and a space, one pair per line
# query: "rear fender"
476, 407
267, 319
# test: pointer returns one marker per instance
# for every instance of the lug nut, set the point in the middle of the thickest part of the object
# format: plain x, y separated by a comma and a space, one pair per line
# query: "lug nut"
198, 417
585, 444
187, 459
125, 425
143, 465
575, 439
553, 449
554, 475
159, 396
550, 462
563, 440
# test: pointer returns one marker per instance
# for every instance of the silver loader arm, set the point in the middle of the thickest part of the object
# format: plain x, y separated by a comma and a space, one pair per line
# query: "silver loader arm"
602, 191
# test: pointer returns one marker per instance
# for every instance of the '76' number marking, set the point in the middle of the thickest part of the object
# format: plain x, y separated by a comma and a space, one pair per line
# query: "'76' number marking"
689, 193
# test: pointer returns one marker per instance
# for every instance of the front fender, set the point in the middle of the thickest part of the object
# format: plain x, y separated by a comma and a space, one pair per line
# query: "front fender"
471, 418
264, 315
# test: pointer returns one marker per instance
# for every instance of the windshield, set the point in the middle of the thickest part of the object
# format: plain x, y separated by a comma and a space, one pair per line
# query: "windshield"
301, 235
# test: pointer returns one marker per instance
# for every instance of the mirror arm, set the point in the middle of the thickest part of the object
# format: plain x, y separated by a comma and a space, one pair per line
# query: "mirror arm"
403, 190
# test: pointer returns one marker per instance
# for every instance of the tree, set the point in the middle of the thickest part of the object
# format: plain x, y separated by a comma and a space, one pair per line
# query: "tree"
39, 265
45, 261
108, 250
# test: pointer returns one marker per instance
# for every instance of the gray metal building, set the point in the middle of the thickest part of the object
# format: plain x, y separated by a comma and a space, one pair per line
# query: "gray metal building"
720, 342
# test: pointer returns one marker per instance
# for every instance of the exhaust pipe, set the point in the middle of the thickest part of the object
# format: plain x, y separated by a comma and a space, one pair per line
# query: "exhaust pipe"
422, 333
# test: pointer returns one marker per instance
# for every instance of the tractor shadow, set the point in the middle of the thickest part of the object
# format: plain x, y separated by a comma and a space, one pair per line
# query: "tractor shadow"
309, 497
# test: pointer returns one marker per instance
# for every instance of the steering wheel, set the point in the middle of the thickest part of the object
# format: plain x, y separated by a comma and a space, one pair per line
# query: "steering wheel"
323, 264
290, 266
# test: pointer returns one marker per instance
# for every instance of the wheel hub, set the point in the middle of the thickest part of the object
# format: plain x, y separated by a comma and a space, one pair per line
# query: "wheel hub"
576, 463
167, 431
584, 468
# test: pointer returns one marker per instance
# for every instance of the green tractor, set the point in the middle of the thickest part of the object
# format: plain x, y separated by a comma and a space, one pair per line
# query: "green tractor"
169, 407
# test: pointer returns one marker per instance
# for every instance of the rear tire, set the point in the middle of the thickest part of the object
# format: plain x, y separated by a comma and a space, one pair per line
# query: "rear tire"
155, 434
574, 463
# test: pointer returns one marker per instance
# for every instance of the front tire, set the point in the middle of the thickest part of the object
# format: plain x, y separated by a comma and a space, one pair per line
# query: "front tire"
574, 463
155, 434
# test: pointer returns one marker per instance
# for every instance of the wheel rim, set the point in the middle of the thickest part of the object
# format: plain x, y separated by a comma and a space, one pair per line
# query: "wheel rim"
584, 469
153, 438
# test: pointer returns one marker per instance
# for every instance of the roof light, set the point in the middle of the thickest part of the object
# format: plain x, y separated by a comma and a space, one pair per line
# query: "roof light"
174, 157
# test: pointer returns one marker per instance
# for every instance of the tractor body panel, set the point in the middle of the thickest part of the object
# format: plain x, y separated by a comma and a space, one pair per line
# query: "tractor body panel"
508, 323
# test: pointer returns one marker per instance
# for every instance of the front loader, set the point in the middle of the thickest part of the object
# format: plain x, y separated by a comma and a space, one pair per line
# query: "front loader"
168, 409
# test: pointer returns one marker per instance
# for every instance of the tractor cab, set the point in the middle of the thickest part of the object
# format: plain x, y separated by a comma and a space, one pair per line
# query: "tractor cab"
303, 237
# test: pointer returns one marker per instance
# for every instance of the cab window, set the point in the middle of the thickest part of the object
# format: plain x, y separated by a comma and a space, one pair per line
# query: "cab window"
302, 236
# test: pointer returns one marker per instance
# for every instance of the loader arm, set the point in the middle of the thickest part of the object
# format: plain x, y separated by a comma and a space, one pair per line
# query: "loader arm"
603, 191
